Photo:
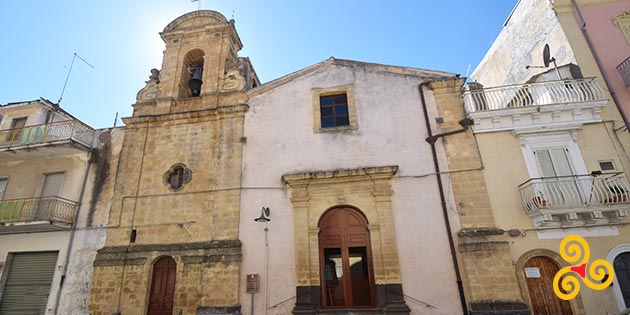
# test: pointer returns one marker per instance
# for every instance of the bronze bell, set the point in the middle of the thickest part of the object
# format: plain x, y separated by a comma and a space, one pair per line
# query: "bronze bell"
195, 82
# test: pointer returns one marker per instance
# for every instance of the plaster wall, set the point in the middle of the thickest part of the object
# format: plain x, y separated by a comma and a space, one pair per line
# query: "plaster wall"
25, 177
518, 46
93, 216
281, 140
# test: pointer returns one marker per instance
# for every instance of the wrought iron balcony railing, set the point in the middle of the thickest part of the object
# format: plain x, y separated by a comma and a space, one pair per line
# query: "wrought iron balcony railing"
624, 70
532, 94
574, 192
53, 209
65, 130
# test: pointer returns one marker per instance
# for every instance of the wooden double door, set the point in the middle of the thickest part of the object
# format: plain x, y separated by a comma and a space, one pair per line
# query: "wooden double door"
162, 293
539, 273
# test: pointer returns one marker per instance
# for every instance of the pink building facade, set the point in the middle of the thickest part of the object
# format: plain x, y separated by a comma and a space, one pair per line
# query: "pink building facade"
607, 26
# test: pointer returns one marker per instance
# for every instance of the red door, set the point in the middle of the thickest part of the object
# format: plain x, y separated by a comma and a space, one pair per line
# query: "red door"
162, 287
540, 287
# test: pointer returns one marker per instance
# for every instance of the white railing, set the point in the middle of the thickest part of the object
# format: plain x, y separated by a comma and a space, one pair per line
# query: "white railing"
532, 94
54, 209
65, 130
549, 193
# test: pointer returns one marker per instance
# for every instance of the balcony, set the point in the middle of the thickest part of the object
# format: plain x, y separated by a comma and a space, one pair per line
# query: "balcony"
70, 134
36, 214
534, 106
624, 71
576, 200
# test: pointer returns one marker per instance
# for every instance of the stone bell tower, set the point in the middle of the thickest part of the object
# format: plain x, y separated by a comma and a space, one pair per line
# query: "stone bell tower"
172, 242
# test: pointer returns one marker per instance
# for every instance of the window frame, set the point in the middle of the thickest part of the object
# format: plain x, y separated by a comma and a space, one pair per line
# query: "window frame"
567, 140
317, 93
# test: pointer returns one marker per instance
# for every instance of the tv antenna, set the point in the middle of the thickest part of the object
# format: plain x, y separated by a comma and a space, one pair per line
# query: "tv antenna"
546, 60
75, 56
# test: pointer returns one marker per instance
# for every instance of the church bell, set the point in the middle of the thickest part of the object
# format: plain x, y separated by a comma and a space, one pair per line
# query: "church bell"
195, 82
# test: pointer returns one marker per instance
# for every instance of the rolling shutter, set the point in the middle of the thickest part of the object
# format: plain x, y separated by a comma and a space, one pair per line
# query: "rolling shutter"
28, 283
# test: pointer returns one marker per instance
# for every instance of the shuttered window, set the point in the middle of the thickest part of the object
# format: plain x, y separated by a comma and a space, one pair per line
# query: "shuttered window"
28, 283
553, 162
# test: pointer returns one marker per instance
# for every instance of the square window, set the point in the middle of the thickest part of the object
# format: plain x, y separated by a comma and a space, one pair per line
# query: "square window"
334, 110
606, 165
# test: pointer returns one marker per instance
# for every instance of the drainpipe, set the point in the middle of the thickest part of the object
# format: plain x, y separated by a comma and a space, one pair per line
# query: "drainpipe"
72, 232
431, 139
600, 66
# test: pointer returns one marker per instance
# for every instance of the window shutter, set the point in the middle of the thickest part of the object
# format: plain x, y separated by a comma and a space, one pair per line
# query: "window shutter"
561, 161
553, 162
544, 160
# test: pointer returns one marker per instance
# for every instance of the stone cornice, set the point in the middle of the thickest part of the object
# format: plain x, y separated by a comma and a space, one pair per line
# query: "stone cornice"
222, 110
365, 173
538, 118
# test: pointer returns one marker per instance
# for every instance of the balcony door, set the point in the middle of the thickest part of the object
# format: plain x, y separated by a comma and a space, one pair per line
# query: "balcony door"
560, 186
51, 187
17, 126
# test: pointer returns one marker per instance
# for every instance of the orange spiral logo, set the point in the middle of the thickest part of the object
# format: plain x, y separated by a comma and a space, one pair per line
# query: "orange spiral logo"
575, 250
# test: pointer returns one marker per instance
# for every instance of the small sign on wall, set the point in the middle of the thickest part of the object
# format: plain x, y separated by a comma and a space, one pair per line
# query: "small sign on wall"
532, 272
252, 283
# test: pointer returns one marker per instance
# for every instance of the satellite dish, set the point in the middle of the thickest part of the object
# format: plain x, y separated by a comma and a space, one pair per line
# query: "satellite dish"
546, 56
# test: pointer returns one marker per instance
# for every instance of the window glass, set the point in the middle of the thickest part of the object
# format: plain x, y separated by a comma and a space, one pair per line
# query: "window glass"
334, 110
325, 100
606, 165
327, 111
359, 273
333, 273
328, 122
341, 110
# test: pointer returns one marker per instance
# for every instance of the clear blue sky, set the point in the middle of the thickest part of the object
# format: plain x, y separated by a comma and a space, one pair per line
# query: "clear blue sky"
120, 39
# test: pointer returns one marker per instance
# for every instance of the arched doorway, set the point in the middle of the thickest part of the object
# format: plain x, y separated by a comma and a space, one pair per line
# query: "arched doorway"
539, 273
622, 273
345, 259
162, 287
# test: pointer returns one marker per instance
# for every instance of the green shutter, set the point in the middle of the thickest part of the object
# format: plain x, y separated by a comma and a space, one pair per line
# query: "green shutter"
28, 283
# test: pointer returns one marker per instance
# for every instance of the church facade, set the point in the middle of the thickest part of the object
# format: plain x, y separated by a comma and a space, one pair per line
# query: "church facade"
332, 155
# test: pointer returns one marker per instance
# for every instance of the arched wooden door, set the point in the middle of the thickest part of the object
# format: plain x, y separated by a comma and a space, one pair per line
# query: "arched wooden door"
345, 259
539, 273
162, 287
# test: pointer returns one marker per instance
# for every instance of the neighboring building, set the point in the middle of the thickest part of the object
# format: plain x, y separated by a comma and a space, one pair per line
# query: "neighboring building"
552, 155
45, 160
335, 151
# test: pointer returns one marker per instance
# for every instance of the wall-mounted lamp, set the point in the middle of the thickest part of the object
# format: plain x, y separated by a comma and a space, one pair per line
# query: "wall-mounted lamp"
264, 215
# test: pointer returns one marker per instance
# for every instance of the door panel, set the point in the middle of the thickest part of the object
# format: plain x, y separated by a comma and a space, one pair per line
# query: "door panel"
544, 300
162, 287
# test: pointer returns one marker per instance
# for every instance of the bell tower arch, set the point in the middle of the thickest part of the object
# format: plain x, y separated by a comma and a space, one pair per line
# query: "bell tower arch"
200, 67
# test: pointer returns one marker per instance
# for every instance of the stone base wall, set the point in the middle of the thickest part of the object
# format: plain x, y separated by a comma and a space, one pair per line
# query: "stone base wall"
389, 300
207, 277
